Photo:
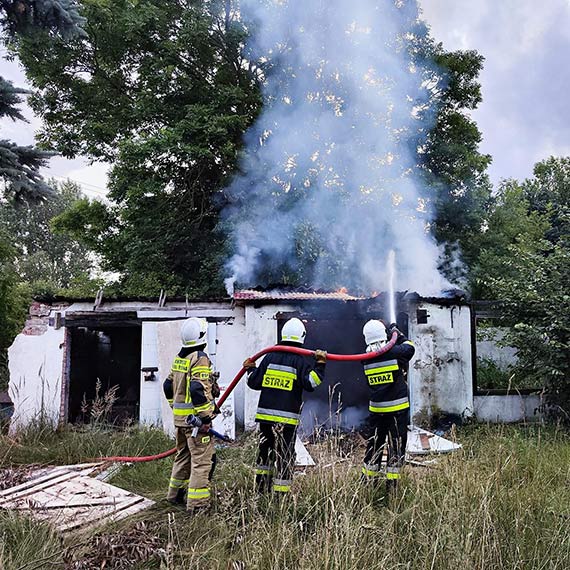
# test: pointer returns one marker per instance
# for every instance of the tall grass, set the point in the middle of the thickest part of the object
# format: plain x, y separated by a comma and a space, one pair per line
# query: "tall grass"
503, 502
41, 444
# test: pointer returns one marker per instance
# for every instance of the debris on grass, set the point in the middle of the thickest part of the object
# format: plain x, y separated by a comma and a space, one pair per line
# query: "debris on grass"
124, 549
69, 499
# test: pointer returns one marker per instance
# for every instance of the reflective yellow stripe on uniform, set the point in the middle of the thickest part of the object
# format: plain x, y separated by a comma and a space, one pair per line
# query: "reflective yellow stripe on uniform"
196, 494
178, 483
276, 419
389, 406
278, 416
207, 407
183, 409
282, 485
314, 379
393, 473
371, 470
262, 469
201, 372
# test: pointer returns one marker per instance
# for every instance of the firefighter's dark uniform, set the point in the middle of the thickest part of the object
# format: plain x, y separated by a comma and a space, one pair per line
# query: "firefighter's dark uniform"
189, 391
389, 408
281, 377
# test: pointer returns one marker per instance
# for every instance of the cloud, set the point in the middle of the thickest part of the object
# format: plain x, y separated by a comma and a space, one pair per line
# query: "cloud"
526, 79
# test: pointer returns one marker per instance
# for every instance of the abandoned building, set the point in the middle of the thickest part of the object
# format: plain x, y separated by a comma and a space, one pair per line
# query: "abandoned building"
72, 353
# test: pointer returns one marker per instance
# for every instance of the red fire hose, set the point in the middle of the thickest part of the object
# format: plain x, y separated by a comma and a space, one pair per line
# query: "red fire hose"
239, 375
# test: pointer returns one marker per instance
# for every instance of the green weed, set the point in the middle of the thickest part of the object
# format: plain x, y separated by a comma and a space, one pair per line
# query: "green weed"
503, 501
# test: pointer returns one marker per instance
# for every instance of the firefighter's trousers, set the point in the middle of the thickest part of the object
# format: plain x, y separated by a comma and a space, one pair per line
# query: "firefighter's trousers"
391, 430
276, 457
193, 468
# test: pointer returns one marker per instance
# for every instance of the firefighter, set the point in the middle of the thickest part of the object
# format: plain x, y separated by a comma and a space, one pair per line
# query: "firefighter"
281, 377
190, 389
389, 402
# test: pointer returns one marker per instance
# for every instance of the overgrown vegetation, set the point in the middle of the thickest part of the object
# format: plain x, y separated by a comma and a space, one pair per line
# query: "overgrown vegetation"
525, 264
164, 91
501, 502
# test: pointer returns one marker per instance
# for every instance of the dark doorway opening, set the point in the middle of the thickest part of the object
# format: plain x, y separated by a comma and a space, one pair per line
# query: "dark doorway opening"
341, 401
104, 362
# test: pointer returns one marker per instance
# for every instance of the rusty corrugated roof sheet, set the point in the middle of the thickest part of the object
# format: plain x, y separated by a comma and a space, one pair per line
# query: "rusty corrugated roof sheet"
279, 295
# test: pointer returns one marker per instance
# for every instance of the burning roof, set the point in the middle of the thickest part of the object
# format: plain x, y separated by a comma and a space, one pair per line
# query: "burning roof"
294, 295
283, 293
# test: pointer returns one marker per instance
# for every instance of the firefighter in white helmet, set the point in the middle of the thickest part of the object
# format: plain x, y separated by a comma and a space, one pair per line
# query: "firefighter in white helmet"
389, 404
282, 377
191, 388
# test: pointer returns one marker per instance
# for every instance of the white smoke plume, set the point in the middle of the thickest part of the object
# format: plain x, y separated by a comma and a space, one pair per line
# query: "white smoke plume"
329, 181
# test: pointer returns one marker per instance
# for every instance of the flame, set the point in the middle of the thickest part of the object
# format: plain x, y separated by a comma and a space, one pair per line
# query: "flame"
342, 290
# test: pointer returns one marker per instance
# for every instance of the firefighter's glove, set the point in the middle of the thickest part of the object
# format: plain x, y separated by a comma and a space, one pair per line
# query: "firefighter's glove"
321, 356
215, 386
393, 328
248, 364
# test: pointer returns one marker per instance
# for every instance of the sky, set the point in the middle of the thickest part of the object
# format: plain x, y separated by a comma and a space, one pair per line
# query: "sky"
524, 116
91, 177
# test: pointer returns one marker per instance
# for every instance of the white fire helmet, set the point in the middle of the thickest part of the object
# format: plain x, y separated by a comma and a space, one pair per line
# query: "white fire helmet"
194, 332
375, 332
293, 331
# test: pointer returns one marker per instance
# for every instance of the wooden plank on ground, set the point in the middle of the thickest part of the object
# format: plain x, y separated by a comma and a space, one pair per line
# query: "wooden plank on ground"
71, 500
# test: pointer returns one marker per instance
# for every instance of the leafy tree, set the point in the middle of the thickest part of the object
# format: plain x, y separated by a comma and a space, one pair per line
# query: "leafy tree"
511, 222
19, 165
26, 17
525, 264
49, 262
455, 170
548, 192
14, 301
162, 90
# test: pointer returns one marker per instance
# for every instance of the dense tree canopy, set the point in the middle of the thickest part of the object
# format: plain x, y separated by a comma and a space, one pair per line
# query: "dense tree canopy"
20, 165
525, 264
162, 90
48, 262
26, 17
455, 169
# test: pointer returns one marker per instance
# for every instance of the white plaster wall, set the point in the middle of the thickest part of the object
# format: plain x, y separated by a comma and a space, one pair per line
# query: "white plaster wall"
168, 345
440, 374
151, 396
261, 332
152, 310
508, 409
231, 351
36, 365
